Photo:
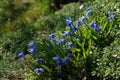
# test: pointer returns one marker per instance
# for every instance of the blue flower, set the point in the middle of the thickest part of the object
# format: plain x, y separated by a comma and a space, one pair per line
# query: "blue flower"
32, 45
66, 34
58, 42
84, 19
20, 55
65, 61
79, 23
98, 29
87, 8
70, 56
70, 45
40, 57
32, 51
69, 21
52, 37
39, 70
75, 28
93, 25
63, 41
111, 15
38, 61
58, 63
89, 13
57, 58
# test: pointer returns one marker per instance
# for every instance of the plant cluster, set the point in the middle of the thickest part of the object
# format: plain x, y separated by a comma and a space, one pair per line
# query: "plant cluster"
87, 48
67, 55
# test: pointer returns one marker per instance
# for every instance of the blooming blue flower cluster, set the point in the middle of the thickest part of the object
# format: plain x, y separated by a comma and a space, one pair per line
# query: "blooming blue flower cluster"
32, 50
60, 42
65, 61
71, 34
95, 26
59, 61
67, 42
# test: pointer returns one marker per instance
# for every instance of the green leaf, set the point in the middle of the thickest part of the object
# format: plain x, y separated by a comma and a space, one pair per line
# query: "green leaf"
110, 27
105, 25
45, 67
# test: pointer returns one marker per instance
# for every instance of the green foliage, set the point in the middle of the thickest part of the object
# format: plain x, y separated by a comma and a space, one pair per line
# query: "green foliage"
95, 54
17, 13
17, 41
56, 22
108, 63
9, 68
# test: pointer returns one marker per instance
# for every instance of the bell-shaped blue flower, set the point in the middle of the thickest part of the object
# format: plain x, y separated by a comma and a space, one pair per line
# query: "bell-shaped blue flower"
65, 61
111, 15
75, 28
66, 34
58, 42
79, 23
38, 61
70, 45
39, 70
84, 19
52, 37
89, 13
32, 45
40, 57
69, 21
93, 25
70, 56
57, 58
98, 29
20, 55
58, 63
63, 41
32, 51
87, 8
